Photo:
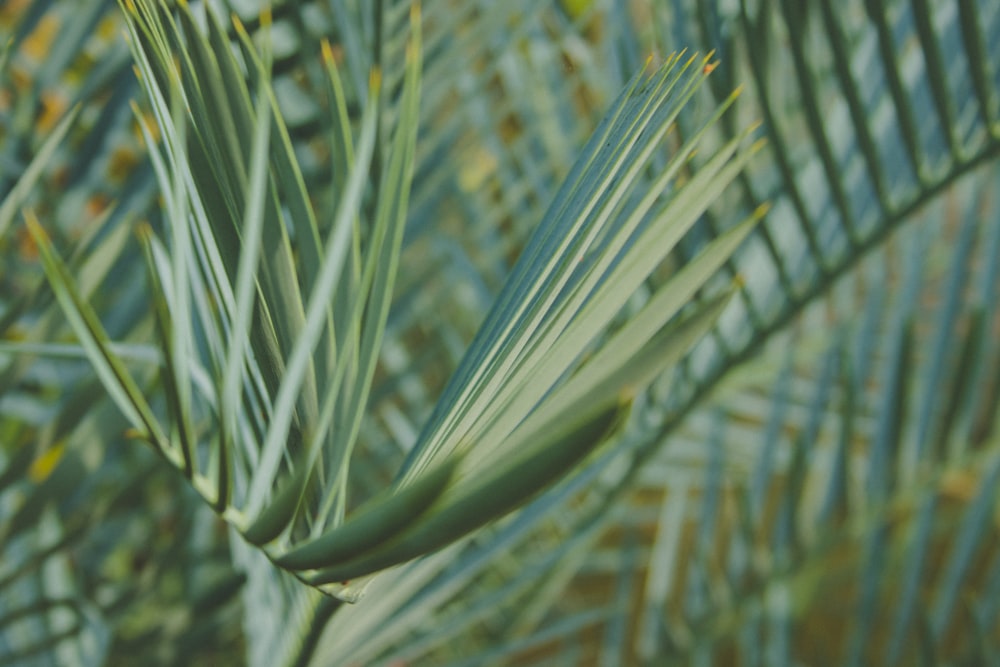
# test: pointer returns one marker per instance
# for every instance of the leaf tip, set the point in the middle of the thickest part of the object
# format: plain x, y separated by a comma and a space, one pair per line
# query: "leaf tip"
136, 434
144, 231
34, 226
46, 462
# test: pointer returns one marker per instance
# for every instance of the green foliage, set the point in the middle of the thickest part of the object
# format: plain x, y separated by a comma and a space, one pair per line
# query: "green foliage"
637, 390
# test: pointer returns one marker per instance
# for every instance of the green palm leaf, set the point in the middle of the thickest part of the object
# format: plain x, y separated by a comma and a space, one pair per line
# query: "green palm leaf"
828, 445
273, 483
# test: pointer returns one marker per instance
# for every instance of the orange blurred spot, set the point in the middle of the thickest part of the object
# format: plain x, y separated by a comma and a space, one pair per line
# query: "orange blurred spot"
27, 249
39, 42
54, 106
960, 485
709, 68
20, 79
332, 54
11, 11
122, 163
95, 205
60, 176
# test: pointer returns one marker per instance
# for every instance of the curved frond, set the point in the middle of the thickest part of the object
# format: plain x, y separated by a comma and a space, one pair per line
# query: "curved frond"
386, 313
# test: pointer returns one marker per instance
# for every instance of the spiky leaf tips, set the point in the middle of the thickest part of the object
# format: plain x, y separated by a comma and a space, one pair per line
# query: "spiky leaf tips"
270, 317
282, 309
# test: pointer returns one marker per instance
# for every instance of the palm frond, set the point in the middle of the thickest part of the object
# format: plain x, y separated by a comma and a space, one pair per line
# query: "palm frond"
822, 462
876, 236
567, 291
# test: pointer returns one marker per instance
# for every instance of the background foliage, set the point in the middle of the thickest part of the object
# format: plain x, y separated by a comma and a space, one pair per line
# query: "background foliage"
816, 482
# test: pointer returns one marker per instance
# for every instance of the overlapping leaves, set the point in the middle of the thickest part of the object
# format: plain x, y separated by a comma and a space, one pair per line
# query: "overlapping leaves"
270, 319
